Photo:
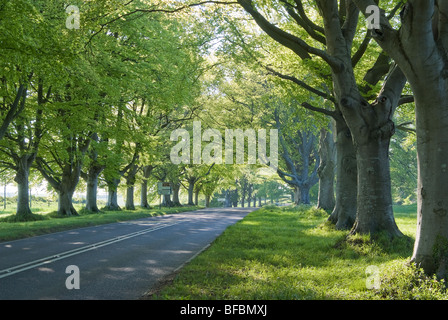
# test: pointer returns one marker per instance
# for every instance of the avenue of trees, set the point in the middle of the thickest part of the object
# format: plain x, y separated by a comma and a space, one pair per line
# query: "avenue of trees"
91, 97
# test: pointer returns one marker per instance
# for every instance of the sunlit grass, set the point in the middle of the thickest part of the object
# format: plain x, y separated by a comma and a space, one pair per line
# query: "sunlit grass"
291, 253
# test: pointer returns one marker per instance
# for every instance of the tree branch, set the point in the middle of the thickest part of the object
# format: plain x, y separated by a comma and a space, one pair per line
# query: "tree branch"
296, 44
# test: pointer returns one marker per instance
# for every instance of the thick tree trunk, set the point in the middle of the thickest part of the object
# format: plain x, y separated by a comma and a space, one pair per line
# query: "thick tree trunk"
176, 190
65, 204
130, 198
92, 190
374, 209
207, 201
144, 194
344, 212
227, 197
296, 195
66, 189
431, 243
196, 197
305, 194
326, 171
144, 186
167, 200
190, 192
23, 211
112, 196
130, 183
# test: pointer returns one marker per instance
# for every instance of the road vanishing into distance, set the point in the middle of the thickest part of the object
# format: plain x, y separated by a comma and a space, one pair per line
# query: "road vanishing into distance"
118, 261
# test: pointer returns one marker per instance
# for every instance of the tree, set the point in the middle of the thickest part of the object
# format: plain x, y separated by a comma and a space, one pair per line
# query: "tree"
419, 47
36, 57
326, 170
370, 124
299, 152
21, 145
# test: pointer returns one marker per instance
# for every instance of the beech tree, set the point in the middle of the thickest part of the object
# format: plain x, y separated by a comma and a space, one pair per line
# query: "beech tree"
330, 38
299, 146
420, 46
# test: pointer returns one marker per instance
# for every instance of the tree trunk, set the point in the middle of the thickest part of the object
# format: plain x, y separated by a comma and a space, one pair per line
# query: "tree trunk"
176, 190
144, 194
112, 196
66, 189
23, 211
130, 184
305, 194
92, 190
326, 171
296, 196
374, 210
344, 212
431, 243
190, 192
227, 197
144, 186
130, 198
207, 201
65, 204
167, 201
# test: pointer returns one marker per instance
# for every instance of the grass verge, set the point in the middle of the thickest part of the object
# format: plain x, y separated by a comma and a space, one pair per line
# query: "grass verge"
50, 222
292, 253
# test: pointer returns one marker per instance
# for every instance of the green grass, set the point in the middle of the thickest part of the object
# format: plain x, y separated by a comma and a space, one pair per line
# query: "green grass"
292, 253
48, 222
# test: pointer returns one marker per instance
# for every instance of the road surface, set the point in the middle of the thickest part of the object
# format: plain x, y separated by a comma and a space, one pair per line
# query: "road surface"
114, 261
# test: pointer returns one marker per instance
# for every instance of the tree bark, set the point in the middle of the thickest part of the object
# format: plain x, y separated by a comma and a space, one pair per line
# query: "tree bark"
196, 197
207, 201
130, 183
23, 211
112, 196
92, 189
296, 195
374, 210
326, 171
167, 200
66, 189
191, 183
144, 187
130, 198
176, 190
91, 177
344, 212
305, 194
65, 204
431, 243
227, 197
144, 194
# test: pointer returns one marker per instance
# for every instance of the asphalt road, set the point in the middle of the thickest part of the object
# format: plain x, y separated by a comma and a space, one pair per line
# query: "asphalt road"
119, 261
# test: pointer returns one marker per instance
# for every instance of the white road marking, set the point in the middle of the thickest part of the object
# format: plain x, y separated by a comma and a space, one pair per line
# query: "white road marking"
59, 256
